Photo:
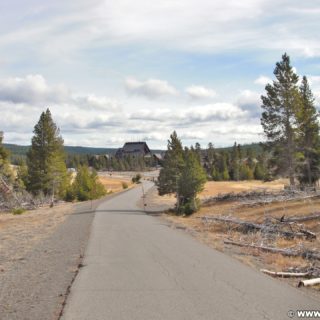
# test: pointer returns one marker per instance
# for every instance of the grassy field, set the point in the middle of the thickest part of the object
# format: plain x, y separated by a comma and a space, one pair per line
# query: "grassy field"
214, 188
115, 184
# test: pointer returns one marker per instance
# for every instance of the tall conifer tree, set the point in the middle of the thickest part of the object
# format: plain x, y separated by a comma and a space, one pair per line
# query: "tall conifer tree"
308, 136
172, 167
278, 120
47, 171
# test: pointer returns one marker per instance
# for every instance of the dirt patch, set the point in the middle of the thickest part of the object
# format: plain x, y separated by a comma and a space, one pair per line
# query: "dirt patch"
20, 233
40, 254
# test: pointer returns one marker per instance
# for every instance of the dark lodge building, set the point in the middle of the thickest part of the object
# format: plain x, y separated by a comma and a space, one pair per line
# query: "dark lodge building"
138, 150
134, 149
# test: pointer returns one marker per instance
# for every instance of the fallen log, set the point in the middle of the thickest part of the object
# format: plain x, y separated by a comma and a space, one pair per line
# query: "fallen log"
308, 234
285, 274
285, 252
311, 282
302, 219
250, 226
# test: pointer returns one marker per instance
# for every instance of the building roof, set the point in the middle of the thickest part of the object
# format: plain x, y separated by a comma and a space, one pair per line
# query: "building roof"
136, 147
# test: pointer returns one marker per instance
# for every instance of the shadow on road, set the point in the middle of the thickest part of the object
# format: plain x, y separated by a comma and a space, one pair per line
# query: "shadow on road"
132, 212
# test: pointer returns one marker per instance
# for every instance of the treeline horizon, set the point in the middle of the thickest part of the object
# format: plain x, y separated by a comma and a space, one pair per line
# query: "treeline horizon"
19, 152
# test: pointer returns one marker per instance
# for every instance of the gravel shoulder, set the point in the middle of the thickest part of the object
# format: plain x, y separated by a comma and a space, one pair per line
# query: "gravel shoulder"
39, 259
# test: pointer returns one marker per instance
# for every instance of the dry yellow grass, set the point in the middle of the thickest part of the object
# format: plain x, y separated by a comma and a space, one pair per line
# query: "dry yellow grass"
114, 184
213, 188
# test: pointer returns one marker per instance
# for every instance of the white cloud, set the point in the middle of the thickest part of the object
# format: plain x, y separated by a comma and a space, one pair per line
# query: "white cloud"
210, 112
200, 92
151, 88
193, 135
92, 101
63, 29
89, 119
32, 89
263, 80
314, 80
249, 100
317, 97
194, 115
35, 91
162, 114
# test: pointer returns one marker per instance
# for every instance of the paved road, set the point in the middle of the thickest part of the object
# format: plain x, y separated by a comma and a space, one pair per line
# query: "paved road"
137, 268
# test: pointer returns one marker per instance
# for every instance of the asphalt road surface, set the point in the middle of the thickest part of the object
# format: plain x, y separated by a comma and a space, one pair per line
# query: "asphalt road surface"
138, 268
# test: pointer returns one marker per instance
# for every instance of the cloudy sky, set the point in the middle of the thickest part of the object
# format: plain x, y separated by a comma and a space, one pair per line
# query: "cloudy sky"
118, 70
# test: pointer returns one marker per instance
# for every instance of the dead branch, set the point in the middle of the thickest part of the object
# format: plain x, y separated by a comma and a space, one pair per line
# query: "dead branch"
285, 274
311, 282
265, 228
313, 216
285, 252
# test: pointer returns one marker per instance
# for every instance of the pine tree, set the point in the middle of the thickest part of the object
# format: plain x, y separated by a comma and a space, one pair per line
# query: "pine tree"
224, 167
191, 182
251, 158
211, 159
279, 116
173, 164
245, 172
259, 173
235, 163
85, 186
308, 136
47, 171
197, 149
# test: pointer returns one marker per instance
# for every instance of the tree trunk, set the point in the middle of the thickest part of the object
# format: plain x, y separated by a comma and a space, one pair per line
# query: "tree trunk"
309, 171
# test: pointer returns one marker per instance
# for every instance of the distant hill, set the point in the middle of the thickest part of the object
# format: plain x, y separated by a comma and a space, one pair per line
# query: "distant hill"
21, 151
253, 146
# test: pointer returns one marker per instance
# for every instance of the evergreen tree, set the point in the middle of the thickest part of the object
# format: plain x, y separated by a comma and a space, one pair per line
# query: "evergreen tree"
215, 175
173, 164
279, 116
308, 136
210, 153
259, 173
224, 168
5, 171
251, 158
22, 175
47, 171
235, 163
191, 182
85, 186
197, 149
211, 157
245, 172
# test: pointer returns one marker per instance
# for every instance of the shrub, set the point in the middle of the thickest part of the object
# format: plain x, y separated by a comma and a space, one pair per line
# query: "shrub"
136, 178
70, 194
18, 211
189, 207
85, 186
125, 185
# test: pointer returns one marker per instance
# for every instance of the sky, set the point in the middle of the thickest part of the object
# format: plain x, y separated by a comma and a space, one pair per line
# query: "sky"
113, 71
